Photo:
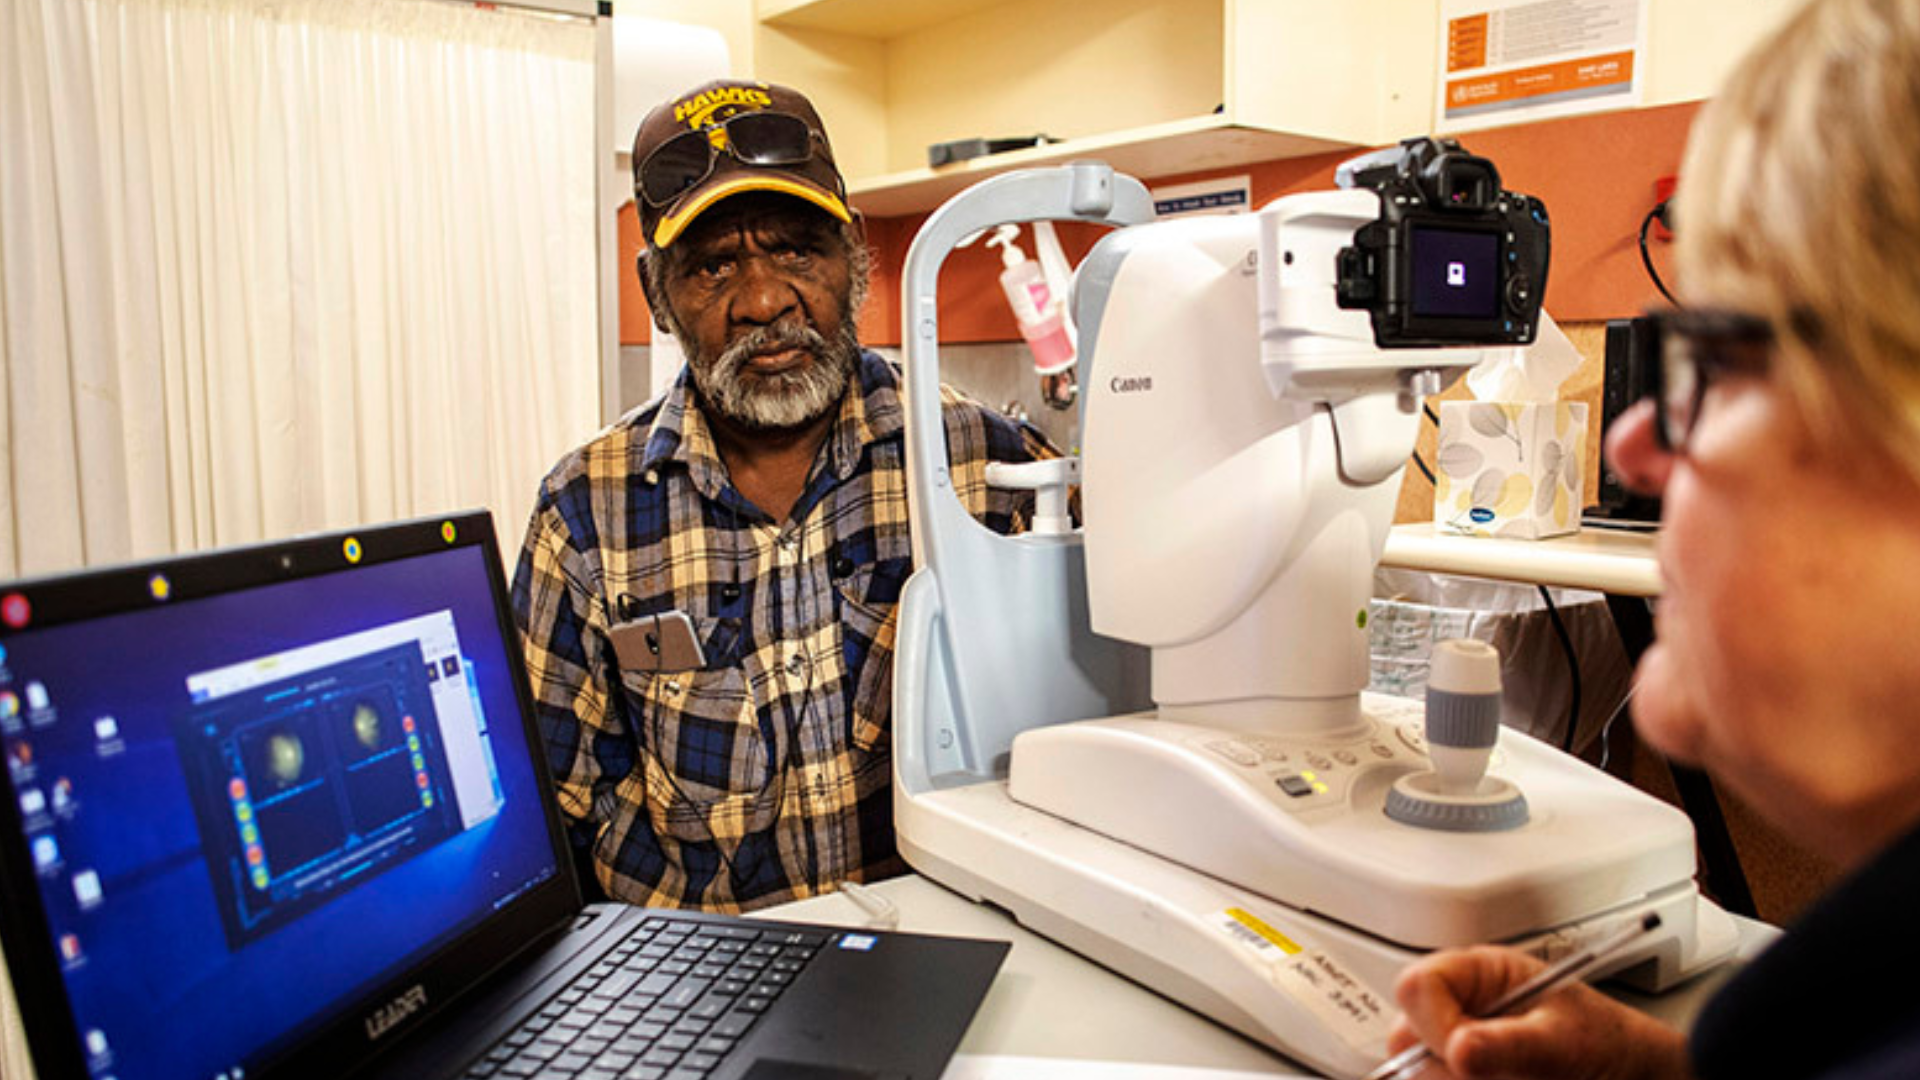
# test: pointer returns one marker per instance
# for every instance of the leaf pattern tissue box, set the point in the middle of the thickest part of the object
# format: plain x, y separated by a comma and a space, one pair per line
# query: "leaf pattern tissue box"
1512, 469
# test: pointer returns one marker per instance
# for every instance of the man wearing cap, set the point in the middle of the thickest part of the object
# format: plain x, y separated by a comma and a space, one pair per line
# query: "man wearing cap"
764, 499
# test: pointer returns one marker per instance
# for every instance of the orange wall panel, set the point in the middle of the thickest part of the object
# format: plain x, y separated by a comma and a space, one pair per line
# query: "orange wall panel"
1597, 174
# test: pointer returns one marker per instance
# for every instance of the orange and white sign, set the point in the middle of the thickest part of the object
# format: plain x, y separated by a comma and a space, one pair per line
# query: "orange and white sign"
1510, 61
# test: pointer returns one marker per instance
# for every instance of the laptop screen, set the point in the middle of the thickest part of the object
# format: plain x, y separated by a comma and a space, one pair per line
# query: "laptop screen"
256, 791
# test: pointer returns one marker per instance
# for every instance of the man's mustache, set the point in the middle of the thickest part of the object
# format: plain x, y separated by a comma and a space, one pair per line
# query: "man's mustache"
765, 339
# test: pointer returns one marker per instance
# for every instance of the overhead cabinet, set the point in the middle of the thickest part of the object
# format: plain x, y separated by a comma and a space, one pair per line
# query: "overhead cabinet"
1154, 87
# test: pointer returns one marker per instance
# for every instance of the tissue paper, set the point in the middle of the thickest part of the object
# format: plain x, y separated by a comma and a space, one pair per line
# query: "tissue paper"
1510, 468
1514, 462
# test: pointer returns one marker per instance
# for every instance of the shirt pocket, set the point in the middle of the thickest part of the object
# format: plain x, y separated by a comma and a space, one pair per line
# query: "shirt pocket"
705, 756
869, 603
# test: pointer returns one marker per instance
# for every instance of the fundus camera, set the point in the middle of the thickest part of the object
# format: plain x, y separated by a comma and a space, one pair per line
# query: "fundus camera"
1453, 259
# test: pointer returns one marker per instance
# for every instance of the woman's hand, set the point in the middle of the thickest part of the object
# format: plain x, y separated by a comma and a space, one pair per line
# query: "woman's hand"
1575, 1033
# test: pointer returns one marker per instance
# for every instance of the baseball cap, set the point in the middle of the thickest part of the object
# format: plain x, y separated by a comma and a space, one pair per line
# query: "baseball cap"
725, 137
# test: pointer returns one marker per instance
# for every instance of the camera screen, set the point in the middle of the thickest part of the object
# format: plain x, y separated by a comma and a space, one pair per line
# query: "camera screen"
1456, 273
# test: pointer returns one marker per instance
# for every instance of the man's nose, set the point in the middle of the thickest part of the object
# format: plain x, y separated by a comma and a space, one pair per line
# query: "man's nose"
763, 294
1635, 453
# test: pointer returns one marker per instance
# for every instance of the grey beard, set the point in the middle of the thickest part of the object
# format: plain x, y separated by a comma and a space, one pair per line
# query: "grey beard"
785, 400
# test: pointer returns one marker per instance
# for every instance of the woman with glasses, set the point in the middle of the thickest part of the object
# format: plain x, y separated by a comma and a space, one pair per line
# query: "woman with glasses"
1785, 444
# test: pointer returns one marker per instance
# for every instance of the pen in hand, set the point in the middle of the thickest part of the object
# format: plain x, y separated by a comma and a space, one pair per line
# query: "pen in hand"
1574, 966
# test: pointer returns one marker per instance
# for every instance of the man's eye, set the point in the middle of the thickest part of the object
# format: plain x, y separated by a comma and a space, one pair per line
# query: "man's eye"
714, 268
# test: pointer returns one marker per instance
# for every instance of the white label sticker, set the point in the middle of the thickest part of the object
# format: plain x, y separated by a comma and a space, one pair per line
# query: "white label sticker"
1349, 1007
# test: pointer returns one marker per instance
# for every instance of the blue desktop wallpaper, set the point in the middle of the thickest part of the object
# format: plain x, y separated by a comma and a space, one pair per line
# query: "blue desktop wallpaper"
122, 869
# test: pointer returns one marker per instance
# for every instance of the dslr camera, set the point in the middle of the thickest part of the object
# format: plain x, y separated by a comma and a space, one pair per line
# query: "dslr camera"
1454, 259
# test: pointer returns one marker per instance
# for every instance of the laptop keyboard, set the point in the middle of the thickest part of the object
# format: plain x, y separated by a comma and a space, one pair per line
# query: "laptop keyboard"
667, 1003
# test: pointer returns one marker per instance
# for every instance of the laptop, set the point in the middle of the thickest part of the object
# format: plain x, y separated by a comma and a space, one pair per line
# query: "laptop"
281, 811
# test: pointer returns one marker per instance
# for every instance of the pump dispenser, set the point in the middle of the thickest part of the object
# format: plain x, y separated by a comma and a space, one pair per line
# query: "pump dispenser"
1041, 316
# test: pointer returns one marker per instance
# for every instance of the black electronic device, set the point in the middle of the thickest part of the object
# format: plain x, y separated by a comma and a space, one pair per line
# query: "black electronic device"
1453, 259
957, 150
1627, 378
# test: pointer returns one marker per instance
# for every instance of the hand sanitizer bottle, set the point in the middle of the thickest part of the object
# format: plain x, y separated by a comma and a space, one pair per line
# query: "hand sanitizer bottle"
1041, 315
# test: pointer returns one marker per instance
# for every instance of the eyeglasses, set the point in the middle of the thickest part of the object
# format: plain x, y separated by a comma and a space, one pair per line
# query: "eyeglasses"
755, 138
1692, 348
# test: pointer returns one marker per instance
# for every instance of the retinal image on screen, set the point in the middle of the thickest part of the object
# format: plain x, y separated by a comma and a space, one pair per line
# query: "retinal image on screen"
1455, 273
306, 786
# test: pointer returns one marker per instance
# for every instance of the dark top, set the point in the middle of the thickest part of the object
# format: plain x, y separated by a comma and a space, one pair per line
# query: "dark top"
1834, 997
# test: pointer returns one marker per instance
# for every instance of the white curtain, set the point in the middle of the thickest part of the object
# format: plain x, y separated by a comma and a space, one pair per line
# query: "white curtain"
274, 266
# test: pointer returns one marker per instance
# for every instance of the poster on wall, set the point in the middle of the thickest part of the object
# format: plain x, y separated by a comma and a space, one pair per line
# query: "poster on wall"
1513, 61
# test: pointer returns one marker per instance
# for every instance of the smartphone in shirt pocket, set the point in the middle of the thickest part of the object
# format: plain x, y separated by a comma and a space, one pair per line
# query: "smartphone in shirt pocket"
664, 641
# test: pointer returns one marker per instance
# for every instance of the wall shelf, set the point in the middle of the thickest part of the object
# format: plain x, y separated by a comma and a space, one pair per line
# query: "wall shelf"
1178, 146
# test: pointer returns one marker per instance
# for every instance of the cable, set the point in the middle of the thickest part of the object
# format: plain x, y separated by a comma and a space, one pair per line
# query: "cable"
1573, 668
1418, 462
1606, 729
1658, 213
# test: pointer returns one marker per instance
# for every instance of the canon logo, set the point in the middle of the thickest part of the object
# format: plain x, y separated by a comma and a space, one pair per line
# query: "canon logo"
390, 1015
1130, 384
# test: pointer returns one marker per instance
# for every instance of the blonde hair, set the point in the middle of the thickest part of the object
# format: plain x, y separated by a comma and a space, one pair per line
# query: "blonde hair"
1800, 202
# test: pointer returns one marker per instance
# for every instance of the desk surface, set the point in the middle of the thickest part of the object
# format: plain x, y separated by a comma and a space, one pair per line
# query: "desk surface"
1049, 1002
1605, 560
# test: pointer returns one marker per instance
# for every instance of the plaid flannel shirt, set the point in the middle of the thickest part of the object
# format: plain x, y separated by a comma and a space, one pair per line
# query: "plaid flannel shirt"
764, 776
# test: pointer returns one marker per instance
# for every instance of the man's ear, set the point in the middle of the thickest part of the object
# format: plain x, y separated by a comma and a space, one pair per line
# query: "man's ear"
656, 303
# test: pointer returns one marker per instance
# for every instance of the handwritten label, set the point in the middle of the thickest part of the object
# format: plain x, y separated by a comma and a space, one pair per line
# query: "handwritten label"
1348, 1007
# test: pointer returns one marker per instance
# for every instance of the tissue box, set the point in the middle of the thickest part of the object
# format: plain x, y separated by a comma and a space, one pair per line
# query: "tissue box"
1515, 469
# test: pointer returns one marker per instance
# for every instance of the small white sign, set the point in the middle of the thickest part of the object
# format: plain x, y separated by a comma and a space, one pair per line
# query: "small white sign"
1226, 195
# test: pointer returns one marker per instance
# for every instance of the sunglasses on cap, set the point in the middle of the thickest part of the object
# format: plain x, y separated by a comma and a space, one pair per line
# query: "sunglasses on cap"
753, 138
1692, 348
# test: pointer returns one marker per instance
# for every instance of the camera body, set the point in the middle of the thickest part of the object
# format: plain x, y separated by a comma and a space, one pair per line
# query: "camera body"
1454, 258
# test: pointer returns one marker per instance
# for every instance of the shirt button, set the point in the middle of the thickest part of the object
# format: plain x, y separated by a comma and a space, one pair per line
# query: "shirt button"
796, 663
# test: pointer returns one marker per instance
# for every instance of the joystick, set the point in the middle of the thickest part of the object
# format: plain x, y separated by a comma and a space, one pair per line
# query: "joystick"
1463, 723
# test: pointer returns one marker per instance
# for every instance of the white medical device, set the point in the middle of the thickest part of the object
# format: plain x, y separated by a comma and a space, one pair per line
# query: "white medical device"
1149, 740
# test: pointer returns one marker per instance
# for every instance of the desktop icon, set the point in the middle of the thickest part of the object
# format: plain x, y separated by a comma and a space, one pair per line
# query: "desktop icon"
106, 728
15, 611
70, 948
86, 889
37, 698
32, 801
9, 705
46, 853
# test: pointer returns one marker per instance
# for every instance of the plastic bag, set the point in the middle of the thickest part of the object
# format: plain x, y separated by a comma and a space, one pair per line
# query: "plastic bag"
1412, 611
